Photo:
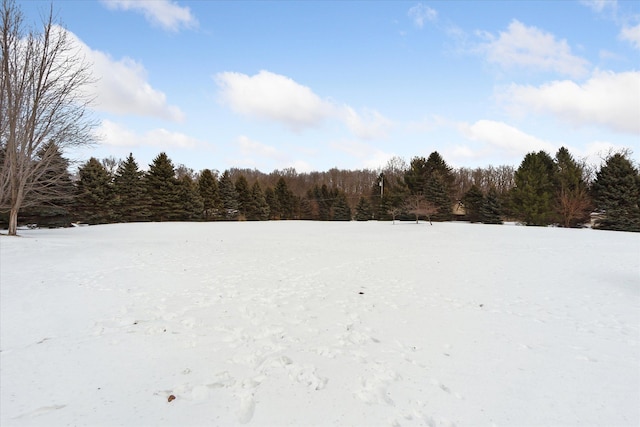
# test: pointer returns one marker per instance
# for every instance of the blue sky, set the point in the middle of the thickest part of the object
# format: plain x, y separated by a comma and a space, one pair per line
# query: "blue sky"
316, 85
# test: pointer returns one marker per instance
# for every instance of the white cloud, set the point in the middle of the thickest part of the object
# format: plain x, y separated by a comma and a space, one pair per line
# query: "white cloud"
632, 35
254, 153
421, 13
371, 125
530, 47
367, 155
114, 134
600, 5
503, 138
271, 96
250, 147
121, 87
163, 13
607, 99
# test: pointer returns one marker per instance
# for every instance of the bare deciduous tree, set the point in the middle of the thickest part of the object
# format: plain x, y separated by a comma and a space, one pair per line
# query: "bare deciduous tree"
419, 206
574, 205
43, 103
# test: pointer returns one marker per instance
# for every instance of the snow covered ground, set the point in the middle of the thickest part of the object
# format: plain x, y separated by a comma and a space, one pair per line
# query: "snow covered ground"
310, 323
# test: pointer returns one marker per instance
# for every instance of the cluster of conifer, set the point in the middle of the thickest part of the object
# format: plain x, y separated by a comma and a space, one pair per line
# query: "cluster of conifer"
542, 191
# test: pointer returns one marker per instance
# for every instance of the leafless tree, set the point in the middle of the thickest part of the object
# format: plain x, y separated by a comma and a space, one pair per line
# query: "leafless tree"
574, 205
419, 206
394, 212
43, 103
111, 165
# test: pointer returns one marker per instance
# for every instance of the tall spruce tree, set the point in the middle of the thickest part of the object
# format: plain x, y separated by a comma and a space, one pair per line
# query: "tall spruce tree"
244, 196
363, 210
272, 201
532, 198
616, 193
286, 199
258, 207
190, 204
210, 195
439, 186
131, 202
417, 175
341, 209
228, 196
491, 210
94, 199
473, 201
162, 188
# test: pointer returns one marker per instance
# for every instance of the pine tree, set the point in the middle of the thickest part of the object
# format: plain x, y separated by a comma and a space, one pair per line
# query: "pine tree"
258, 208
473, 201
573, 202
131, 202
341, 209
189, 200
533, 196
228, 196
439, 186
416, 176
244, 196
363, 210
616, 193
210, 195
286, 200
272, 201
162, 188
438, 194
94, 199
491, 210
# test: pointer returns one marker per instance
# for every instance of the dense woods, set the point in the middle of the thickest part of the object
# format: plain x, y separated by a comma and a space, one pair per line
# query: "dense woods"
543, 190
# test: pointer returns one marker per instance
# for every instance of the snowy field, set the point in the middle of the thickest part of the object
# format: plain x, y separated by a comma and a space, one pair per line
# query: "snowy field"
314, 324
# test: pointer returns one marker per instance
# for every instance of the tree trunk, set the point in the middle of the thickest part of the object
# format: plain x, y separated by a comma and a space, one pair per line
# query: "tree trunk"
13, 221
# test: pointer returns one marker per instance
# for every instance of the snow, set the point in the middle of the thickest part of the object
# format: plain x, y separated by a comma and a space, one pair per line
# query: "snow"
314, 323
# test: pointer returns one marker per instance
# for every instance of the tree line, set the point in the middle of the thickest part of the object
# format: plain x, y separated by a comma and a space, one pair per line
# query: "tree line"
44, 110
542, 191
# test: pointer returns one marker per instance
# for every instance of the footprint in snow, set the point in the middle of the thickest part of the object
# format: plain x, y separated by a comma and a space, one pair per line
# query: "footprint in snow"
246, 409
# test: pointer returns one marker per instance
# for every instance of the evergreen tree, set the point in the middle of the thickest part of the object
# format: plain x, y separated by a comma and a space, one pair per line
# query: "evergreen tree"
533, 196
439, 186
341, 209
51, 201
162, 188
616, 193
258, 208
94, 199
363, 210
244, 196
131, 203
306, 208
272, 201
228, 196
324, 199
285, 197
491, 210
473, 201
573, 203
210, 195
189, 200
437, 193
416, 176
432, 178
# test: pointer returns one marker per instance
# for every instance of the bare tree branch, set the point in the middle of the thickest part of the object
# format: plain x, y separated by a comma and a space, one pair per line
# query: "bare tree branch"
43, 108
